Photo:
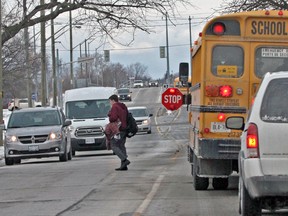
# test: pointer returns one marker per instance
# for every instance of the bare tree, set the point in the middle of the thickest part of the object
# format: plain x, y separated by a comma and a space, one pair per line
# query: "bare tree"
138, 70
109, 17
232, 6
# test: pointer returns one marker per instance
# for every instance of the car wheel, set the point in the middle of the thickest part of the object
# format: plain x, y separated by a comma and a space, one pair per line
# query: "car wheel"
73, 152
9, 161
200, 183
220, 183
17, 161
248, 206
149, 132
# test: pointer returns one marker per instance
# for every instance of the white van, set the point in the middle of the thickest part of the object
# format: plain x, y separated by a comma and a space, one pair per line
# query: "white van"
87, 108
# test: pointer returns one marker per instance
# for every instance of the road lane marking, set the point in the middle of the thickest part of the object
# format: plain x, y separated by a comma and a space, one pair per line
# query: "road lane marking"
149, 196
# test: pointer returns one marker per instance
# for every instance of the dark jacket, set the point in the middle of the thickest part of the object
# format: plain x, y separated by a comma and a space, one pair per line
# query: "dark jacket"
119, 111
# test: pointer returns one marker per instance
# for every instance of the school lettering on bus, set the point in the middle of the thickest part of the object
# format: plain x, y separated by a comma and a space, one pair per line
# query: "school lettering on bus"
257, 27
223, 102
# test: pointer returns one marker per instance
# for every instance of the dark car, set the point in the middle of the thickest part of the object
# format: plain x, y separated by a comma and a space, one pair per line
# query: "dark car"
153, 84
124, 94
36, 133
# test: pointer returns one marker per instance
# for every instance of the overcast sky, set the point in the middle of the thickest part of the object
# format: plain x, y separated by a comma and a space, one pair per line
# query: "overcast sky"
145, 48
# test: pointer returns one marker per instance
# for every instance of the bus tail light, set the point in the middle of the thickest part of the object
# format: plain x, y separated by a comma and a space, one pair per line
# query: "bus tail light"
226, 91
252, 141
206, 130
212, 91
218, 28
221, 117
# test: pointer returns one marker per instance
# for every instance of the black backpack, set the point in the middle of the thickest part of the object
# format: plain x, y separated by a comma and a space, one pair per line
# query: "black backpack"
132, 127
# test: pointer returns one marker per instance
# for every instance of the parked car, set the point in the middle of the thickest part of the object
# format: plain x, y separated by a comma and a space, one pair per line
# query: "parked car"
142, 117
36, 133
21, 103
124, 94
263, 157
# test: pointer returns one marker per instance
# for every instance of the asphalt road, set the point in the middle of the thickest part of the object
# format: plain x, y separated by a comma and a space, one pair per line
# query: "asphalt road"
158, 182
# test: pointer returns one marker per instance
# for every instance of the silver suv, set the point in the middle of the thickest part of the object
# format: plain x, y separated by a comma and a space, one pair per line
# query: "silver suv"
263, 159
36, 133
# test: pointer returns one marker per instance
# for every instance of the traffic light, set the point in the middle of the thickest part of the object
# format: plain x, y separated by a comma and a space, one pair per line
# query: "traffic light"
162, 52
106, 55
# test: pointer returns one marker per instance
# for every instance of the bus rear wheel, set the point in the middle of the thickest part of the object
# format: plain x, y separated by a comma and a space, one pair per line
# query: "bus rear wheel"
200, 183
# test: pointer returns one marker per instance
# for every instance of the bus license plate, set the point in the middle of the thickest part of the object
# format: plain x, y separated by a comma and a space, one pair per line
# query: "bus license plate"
219, 127
89, 140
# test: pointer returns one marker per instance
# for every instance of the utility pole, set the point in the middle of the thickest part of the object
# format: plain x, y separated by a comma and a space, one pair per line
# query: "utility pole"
1, 80
53, 62
43, 59
27, 66
86, 65
71, 50
190, 32
167, 46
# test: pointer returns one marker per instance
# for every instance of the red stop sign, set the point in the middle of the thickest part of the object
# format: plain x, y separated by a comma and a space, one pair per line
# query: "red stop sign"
172, 99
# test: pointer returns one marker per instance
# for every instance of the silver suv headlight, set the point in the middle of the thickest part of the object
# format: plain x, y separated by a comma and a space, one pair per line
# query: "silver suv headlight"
55, 136
11, 139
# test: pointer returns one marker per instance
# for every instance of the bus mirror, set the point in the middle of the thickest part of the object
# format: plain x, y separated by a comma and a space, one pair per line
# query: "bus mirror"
183, 71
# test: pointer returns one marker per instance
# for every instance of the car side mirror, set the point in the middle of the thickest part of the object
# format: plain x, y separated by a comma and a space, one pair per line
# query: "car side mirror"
150, 115
67, 123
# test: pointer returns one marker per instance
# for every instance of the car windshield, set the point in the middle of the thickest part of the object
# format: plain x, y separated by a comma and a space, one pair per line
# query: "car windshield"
32, 119
123, 91
138, 112
87, 109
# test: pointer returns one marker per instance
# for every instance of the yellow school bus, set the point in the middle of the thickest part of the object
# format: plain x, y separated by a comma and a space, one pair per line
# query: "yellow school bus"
229, 58
184, 88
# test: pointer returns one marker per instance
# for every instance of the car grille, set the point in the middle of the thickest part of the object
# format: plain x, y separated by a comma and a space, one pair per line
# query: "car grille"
89, 131
33, 139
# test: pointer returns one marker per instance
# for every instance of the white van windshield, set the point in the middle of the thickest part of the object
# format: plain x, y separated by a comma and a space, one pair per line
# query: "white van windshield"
87, 109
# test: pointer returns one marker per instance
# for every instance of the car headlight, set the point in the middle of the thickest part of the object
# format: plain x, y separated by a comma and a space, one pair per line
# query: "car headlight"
145, 121
71, 128
55, 136
11, 139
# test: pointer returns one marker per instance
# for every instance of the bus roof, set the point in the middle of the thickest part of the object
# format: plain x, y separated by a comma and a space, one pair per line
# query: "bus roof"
88, 93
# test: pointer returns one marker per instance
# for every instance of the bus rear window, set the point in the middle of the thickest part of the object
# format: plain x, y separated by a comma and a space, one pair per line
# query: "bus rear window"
270, 59
227, 61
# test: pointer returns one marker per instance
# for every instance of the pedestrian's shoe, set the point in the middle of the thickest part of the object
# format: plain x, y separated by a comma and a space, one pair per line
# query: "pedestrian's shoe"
124, 165
123, 169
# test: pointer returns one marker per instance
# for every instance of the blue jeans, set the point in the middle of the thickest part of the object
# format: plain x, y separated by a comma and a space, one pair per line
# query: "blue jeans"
118, 146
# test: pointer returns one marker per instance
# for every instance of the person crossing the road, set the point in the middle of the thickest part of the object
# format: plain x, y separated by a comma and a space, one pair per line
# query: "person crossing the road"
119, 112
